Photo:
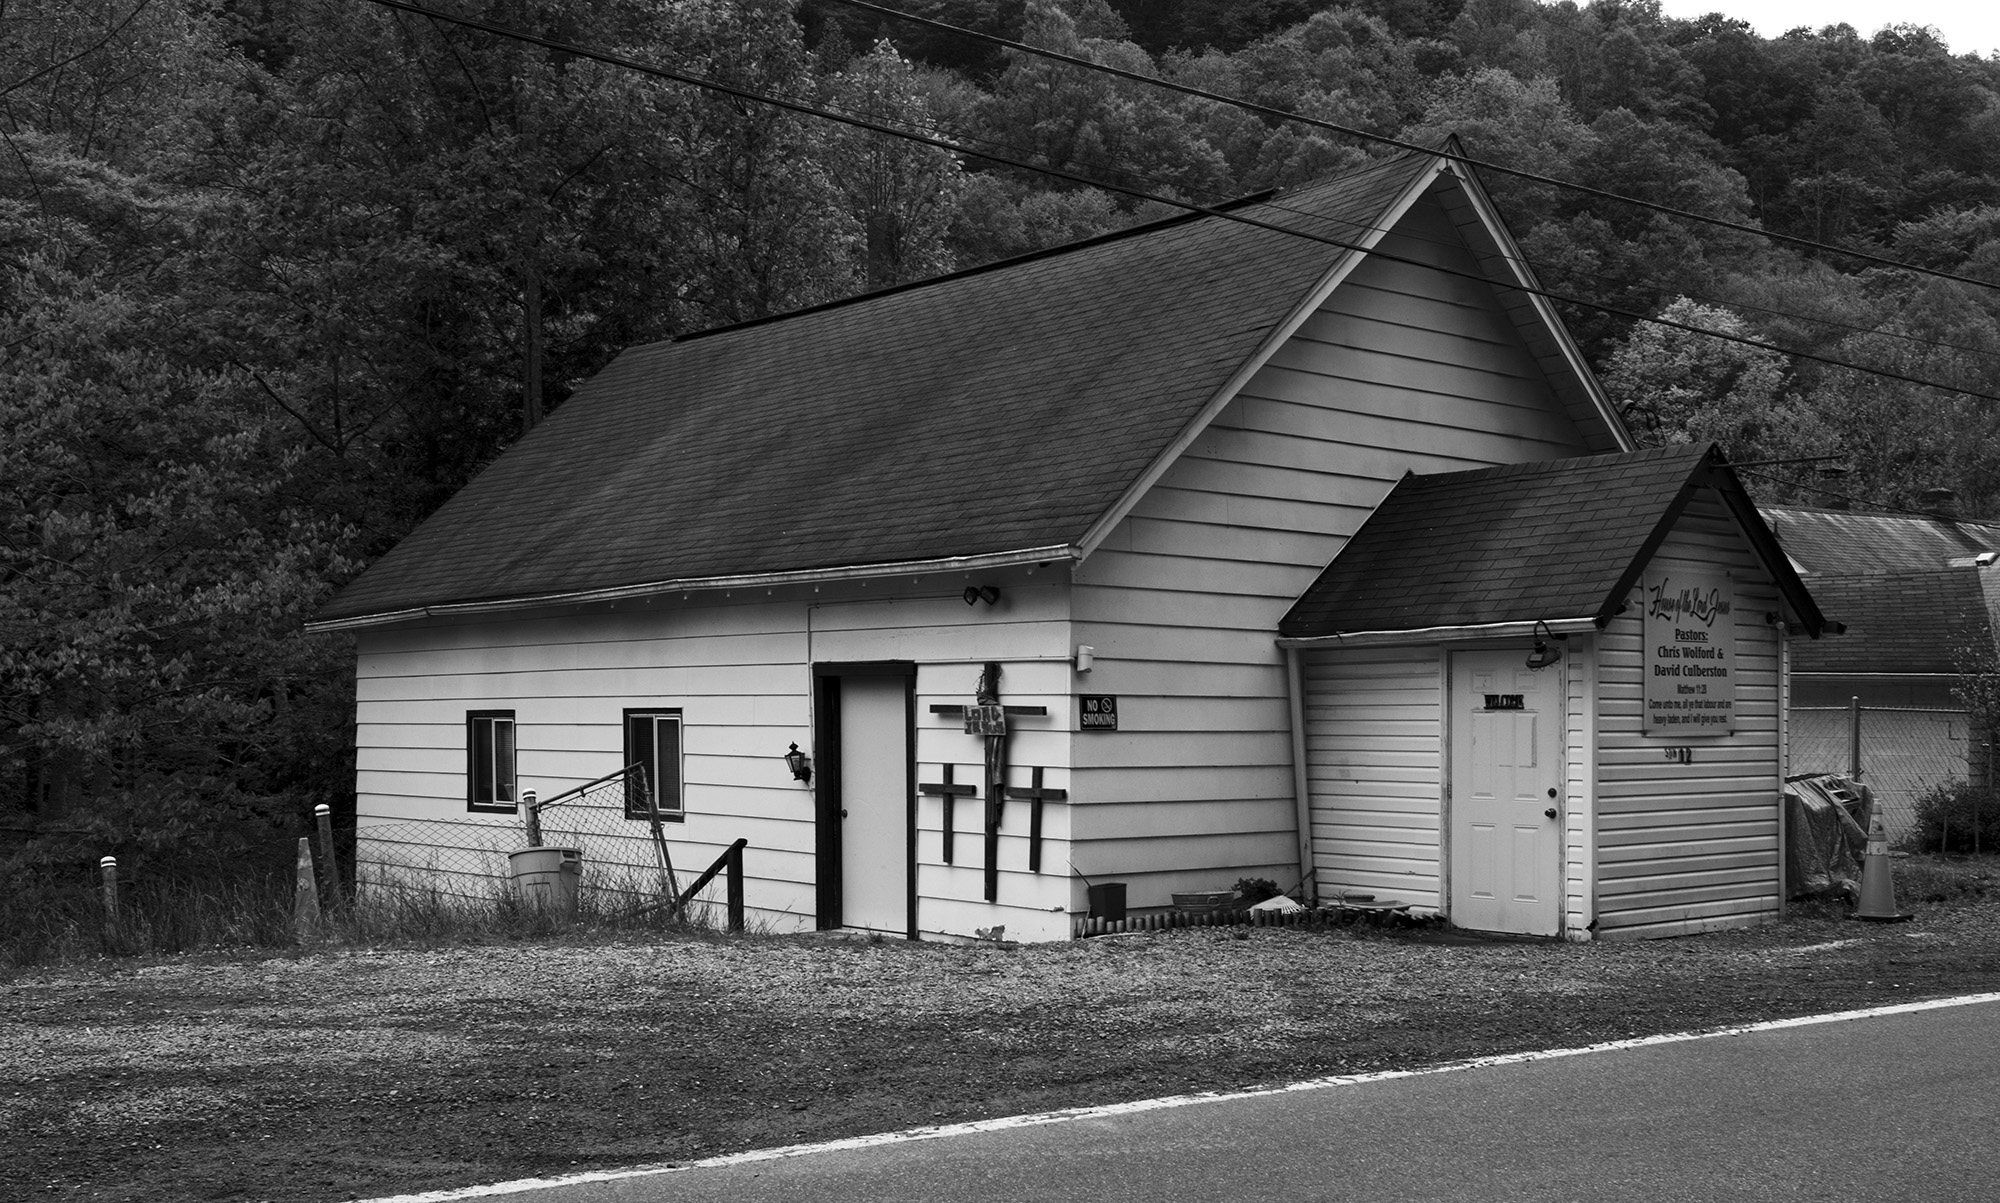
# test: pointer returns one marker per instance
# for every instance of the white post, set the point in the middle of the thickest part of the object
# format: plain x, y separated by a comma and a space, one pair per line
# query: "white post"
328, 866
109, 867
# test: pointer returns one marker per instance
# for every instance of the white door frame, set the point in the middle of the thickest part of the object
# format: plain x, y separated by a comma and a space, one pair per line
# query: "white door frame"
829, 850
1545, 916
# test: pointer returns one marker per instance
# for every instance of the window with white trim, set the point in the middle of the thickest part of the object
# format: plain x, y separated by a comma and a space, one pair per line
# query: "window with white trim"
653, 742
489, 760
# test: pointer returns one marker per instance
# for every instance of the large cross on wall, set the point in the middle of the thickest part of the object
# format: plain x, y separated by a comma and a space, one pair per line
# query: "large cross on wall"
987, 718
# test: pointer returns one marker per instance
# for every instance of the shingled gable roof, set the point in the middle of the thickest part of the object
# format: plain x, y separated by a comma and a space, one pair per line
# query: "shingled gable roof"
1560, 540
1000, 415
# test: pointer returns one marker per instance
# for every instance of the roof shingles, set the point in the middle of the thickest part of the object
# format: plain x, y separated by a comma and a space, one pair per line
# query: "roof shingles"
992, 411
1509, 544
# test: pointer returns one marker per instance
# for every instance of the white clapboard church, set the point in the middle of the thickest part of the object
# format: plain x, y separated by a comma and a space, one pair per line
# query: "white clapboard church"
1190, 553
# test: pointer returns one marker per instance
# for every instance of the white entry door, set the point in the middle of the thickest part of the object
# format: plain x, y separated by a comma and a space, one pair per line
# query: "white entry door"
1506, 808
874, 803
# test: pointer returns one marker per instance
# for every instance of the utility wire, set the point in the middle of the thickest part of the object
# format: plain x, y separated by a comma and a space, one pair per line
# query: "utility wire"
1386, 140
780, 102
1623, 282
1573, 273
1818, 487
1362, 227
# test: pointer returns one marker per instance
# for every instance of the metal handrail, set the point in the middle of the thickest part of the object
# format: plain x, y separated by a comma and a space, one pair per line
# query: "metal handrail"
544, 803
731, 860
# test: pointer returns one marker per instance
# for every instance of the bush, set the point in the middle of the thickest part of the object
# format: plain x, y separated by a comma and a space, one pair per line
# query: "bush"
1252, 890
1946, 817
50, 917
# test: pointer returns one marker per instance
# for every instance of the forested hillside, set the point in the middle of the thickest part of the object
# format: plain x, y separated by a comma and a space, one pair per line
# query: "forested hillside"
277, 276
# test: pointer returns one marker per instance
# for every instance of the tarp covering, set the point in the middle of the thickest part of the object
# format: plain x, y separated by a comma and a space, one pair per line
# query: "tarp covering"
1826, 833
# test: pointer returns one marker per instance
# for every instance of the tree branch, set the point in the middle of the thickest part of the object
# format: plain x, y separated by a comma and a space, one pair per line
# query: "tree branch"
99, 44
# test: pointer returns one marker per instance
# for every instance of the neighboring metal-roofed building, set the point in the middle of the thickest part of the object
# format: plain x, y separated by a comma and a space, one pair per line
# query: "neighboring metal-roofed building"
1915, 591
1908, 637
1825, 542
1920, 597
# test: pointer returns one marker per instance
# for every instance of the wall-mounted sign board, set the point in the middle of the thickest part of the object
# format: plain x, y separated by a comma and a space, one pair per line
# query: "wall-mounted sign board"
1097, 712
1690, 660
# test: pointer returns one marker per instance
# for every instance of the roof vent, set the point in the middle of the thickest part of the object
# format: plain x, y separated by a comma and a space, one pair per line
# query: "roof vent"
1939, 503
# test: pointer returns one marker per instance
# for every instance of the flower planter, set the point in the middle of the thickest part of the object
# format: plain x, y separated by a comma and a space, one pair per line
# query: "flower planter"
1198, 902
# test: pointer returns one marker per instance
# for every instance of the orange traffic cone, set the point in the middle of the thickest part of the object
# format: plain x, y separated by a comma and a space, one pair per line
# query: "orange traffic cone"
1878, 886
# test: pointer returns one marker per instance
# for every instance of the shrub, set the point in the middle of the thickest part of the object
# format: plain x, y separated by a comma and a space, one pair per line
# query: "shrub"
1956, 817
1252, 890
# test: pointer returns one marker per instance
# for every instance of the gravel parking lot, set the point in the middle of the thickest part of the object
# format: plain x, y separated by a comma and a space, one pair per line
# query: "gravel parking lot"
340, 1072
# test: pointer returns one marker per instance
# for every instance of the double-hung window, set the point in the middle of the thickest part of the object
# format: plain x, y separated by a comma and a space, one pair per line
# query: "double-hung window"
489, 757
653, 742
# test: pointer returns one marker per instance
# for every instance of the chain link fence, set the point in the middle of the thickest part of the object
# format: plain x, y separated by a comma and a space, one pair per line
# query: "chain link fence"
1904, 751
625, 863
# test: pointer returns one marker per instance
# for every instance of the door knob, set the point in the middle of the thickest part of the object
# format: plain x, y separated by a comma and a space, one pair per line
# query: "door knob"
1552, 791
843, 812
1551, 812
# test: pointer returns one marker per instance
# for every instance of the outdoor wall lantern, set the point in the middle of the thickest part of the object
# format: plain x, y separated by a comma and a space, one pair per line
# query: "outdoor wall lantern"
1545, 653
979, 593
802, 768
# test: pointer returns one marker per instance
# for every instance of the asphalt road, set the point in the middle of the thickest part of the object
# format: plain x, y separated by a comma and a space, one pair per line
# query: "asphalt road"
1897, 1106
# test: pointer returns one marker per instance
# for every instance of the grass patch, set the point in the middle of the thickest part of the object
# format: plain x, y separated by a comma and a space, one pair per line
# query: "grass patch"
61, 923
1945, 880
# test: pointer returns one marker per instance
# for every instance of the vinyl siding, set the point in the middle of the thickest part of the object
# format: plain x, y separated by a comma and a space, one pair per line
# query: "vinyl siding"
739, 671
1402, 369
1376, 764
1684, 848
1375, 771
1579, 810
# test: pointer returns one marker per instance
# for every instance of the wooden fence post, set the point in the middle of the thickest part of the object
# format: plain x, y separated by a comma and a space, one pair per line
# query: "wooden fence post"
532, 817
109, 867
736, 886
305, 897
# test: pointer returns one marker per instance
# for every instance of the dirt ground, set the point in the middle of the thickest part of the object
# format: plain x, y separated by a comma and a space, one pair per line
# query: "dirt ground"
340, 1073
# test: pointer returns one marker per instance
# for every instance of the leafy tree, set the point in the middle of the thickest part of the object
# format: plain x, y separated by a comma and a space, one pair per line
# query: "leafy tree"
1522, 123
1910, 438
1676, 386
1094, 124
157, 553
903, 194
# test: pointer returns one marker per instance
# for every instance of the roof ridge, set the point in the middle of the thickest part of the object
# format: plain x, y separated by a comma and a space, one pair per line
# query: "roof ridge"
1879, 573
1571, 466
991, 265
1897, 515
1345, 179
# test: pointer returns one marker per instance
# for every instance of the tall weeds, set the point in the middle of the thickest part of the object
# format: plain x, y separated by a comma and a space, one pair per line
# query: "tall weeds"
53, 923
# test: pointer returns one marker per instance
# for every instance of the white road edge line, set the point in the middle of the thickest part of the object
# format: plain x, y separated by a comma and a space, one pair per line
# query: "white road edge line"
1068, 1114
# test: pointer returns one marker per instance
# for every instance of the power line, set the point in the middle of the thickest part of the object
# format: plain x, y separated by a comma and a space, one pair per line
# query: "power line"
1386, 140
789, 105
1567, 271
1621, 281
1820, 487
933, 127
